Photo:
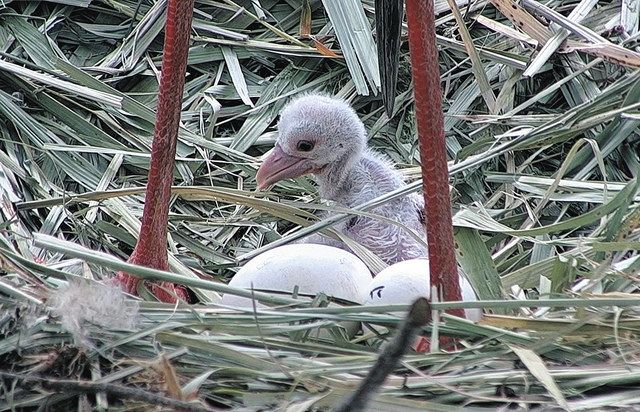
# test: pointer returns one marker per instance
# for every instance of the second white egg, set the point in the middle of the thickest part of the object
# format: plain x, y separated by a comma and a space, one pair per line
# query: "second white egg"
403, 282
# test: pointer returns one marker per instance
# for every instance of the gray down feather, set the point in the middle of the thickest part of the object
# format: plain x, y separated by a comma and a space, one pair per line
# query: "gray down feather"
349, 173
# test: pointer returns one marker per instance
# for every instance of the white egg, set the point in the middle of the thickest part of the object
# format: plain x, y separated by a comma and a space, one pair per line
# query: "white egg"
405, 281
312, 268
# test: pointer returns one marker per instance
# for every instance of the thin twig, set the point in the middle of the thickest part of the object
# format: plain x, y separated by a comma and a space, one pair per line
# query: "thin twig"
419, 315
122, 392
284, 370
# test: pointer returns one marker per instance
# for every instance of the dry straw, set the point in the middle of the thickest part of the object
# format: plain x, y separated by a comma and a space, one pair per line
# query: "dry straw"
544, 189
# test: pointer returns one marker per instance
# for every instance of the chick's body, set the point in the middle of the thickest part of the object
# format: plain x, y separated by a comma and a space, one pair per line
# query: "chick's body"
371, 177
324, 136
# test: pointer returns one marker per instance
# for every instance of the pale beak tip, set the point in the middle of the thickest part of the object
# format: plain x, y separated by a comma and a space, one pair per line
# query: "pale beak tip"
261, 182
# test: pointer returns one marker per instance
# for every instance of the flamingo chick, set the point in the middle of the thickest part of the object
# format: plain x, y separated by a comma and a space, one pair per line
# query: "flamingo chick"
323, 136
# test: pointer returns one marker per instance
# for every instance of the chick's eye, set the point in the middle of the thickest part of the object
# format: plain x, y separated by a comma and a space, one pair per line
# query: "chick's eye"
305, 146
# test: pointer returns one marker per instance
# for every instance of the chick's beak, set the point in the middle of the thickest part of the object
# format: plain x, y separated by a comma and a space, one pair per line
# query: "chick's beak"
280, 165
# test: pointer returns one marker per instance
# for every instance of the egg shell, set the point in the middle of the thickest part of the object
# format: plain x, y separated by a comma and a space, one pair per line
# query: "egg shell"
313, 268
405, 281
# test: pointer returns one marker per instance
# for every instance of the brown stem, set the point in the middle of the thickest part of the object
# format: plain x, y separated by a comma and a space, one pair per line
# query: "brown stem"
435, 175
151, 249
119, 391
388, 33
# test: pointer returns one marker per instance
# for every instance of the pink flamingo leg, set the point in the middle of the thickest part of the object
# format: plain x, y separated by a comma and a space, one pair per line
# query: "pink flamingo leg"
435, 175
151, 249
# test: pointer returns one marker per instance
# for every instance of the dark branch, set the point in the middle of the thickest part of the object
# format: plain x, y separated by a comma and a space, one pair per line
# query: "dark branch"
419, 315
389, 15
122, 392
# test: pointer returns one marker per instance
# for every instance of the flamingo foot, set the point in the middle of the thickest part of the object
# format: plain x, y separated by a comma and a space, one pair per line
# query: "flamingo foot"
127, 283
164, 291
168, 292
422, 344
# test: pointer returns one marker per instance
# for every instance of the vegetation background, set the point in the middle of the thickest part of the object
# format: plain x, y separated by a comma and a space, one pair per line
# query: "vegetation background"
543, 143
